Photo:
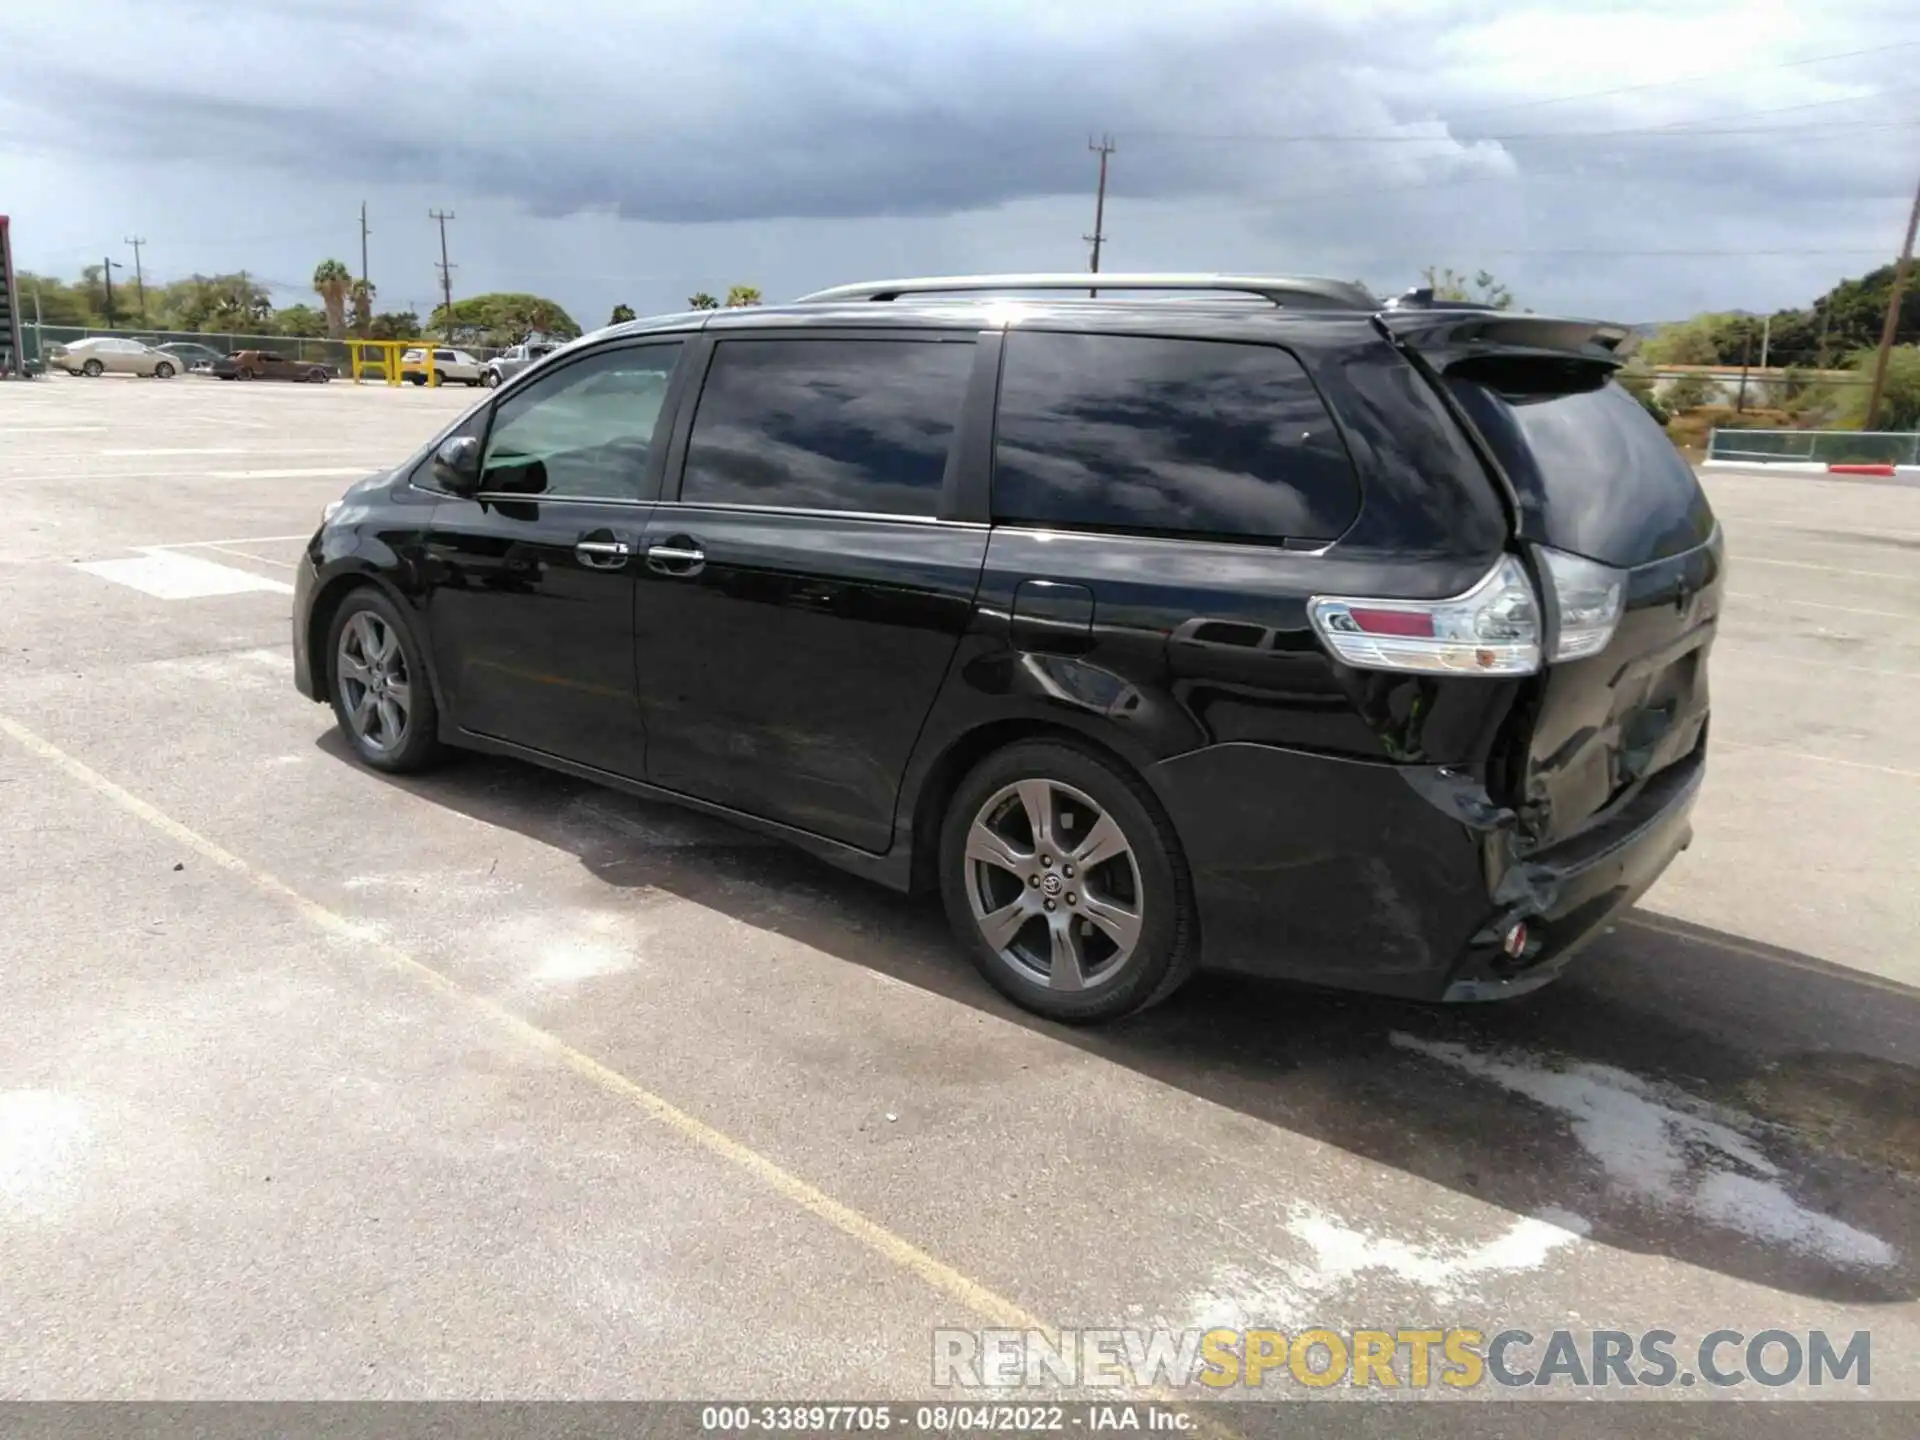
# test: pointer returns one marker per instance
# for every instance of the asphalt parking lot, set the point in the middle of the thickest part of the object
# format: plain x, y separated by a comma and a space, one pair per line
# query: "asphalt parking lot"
490, 1083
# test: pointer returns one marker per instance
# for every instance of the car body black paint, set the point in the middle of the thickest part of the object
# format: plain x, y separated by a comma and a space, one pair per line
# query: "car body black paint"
1351, 827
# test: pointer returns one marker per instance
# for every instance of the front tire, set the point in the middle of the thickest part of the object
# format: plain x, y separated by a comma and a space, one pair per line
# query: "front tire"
1064, 882
163, 371
317, 377
491, 379
382, 695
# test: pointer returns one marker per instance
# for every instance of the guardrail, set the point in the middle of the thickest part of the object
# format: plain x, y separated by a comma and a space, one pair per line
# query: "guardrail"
1814, 447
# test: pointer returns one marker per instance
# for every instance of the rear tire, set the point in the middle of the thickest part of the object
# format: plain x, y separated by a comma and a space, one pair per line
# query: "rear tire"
317, 377
1095, 919
243, 373
378, 682
491, 379
93, 369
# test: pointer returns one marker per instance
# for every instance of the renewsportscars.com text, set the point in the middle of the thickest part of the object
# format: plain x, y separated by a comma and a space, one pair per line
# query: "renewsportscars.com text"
1458, 1358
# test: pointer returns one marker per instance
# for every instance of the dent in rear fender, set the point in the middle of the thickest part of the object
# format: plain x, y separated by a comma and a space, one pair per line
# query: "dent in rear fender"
1339, 871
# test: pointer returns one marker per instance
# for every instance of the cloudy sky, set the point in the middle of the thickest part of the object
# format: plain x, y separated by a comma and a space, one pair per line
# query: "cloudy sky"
1633, 160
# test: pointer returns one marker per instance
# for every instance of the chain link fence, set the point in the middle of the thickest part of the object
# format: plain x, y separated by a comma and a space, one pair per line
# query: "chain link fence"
299, 347
1834, 447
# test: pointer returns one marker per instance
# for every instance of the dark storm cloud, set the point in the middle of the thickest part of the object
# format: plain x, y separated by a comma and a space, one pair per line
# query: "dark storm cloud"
872, 115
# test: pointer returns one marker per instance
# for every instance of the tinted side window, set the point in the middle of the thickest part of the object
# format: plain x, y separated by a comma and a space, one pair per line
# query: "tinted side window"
583, 432
827, 424
1191, 436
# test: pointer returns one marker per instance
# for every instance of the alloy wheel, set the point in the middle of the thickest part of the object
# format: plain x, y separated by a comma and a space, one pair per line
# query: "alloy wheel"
375, 685
1054, 885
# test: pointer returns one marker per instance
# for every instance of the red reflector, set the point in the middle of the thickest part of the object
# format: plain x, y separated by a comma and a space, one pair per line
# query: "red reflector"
1516, 942
1392, 622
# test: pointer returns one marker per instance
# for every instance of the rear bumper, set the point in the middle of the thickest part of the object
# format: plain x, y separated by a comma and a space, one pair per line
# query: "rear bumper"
1396, 879
1567, 894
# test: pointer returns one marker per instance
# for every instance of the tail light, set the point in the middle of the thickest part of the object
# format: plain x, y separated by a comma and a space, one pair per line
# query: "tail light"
1492, 629
1587, 597
1495, 628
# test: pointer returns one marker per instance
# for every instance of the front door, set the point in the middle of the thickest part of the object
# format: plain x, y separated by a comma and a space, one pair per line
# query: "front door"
802, 596
532, 577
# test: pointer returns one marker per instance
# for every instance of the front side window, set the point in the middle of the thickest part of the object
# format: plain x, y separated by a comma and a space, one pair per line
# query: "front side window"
1165, 436
855, 425
584, 432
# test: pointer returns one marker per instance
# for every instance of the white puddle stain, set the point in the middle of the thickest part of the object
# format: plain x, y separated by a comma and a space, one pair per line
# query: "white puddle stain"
42, 1134
1289, 1292
1669, 1150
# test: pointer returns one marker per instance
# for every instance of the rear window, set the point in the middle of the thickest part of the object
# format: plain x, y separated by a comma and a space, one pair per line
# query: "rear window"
1199, 437
1596, 474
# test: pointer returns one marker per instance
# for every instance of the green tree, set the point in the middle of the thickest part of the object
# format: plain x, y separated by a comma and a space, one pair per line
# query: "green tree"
60, 302
363, 295
333, 283
621, 313
301, 320
1698, 341
1689, 392
395, 325
503, 318
1482, 289
232, 304
1899, 400
701, 300
740, 296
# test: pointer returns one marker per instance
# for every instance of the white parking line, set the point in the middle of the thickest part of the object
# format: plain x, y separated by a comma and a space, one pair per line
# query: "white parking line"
166, 575
1826, 759
1828, 569
242, 540
1821, 605
317, 470
248, 555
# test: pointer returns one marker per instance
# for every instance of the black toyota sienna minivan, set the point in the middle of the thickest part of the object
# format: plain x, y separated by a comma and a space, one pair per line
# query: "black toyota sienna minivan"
1234, 622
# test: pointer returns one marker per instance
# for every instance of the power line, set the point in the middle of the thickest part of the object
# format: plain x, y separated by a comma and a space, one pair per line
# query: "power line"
1688, 79
1664, 132
446, 269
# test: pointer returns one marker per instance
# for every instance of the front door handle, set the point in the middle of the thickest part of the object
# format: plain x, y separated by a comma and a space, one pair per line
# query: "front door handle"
678, 556
603, 554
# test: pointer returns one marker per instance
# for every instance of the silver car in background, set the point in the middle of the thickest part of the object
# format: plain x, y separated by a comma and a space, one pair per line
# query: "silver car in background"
510, 362
109, 354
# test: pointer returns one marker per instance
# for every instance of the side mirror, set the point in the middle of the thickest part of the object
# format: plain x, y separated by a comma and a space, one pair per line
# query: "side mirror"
456, 464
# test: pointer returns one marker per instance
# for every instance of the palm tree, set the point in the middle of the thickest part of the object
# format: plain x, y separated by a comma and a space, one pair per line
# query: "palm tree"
333, 282
363, 294
741, 295
701, 300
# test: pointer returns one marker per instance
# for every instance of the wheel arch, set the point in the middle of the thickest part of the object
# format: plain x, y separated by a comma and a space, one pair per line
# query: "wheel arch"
942, 777
328, 599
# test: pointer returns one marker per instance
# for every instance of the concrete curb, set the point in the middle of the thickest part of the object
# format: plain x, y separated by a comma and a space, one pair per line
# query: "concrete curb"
1814, 467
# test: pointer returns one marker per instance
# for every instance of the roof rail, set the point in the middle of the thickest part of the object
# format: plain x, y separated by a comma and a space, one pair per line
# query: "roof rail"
1278, 289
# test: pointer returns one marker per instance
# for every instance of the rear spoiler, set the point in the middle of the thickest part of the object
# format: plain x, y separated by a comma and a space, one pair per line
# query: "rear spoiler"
1449, 336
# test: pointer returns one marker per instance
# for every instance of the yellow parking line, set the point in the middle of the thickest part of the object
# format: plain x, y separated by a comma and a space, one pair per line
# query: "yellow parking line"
904, 1254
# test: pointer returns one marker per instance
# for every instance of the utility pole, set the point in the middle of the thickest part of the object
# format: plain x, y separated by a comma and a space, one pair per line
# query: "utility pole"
1103, 147
446, 270
1766, 338
1746, 354
106, 275
139, 275
1887, 333
364, 232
